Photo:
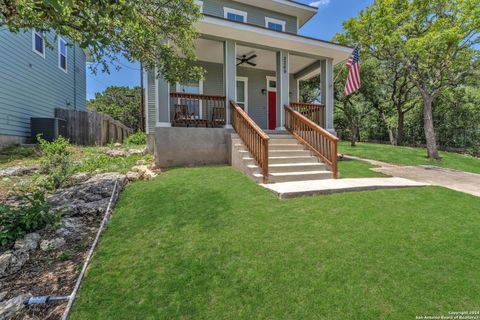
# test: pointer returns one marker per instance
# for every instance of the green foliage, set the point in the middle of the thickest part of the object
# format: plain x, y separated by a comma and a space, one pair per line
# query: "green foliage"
35, 214
158, 33
121, 103
138, 138
16, 152
56, 163
105, 163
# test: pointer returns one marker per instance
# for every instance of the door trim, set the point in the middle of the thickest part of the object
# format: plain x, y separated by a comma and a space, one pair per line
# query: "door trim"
245, 81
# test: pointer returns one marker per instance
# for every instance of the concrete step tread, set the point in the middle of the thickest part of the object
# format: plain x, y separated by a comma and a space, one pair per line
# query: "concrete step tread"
293, 173
285, 158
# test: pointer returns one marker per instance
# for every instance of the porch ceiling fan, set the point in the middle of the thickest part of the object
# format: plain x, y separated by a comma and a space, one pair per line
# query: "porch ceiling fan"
246, 60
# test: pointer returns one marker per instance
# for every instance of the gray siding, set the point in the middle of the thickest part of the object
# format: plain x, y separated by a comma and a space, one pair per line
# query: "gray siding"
257, 101
31, 86
255, 16
213, 83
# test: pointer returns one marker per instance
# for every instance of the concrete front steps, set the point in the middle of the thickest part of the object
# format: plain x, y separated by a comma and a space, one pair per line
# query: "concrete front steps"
288, 160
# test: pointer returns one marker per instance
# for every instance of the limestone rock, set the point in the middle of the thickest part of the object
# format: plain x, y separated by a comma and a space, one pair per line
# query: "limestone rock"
12, 261
10, 308
3, 295
89, 197
70, 226
28, 243
52, 244
80, 177
19, 171
133, 176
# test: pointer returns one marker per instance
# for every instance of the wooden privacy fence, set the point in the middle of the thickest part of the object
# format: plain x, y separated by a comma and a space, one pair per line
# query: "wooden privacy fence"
92, 128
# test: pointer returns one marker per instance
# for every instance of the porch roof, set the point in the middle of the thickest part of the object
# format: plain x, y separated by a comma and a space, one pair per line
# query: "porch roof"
245, 33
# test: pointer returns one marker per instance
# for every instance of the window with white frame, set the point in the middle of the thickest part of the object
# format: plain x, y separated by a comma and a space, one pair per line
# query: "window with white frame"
38, 43
275, 24
62, 54
200, 5
235, 15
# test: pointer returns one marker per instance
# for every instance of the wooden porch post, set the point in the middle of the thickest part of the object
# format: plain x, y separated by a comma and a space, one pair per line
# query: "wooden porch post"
283, 87
326, 83
230, 76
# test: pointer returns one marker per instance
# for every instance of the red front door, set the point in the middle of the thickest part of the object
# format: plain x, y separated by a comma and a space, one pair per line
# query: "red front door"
272, 110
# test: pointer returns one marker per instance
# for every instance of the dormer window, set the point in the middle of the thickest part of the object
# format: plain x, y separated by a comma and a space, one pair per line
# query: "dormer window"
235, 15
274, 24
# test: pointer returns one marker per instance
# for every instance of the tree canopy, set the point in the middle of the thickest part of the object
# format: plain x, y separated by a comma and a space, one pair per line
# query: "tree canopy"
159, 33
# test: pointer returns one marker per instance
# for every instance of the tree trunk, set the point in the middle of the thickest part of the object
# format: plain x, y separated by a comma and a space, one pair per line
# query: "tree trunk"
432, 151
391, 138
353, 134
400, 128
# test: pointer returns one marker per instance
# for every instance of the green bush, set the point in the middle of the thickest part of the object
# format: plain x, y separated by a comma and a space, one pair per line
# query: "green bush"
56, 162
138, 138
15, 222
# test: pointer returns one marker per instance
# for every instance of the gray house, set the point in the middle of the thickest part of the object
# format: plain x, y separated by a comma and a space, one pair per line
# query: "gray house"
246, 111
35, 79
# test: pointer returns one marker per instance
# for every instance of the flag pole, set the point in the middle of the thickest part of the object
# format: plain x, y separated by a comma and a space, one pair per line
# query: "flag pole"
340, 71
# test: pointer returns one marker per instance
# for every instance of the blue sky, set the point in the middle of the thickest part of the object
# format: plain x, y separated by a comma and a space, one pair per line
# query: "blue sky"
324, 25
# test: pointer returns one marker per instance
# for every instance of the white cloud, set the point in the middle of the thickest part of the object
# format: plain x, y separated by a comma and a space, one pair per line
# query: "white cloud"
319, 3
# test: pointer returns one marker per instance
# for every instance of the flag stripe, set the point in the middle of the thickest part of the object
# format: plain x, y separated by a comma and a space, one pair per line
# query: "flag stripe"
353, 78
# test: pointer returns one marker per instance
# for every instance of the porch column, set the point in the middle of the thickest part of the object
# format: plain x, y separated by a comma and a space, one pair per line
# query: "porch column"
230, 75
326, 82
162, 88
283, 87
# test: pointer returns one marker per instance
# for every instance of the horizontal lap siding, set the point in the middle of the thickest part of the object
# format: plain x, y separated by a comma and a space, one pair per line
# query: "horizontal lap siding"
255, 15
31, 86
257, 101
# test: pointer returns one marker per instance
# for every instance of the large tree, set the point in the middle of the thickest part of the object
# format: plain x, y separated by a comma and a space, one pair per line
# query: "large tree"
159, 33
433, 39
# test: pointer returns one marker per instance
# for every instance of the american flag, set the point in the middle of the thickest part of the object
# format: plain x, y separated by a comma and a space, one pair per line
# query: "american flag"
353, 79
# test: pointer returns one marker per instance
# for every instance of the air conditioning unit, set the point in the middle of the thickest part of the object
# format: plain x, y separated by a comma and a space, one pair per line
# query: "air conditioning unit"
49, 128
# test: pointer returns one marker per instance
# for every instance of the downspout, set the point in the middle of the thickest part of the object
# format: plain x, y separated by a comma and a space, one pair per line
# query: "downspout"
74, 76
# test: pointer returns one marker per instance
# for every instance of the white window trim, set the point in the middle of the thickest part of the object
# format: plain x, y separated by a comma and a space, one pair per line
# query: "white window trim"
272, 20
200, 4
60, 40
245, 80
270, 89
227, 10
35, 32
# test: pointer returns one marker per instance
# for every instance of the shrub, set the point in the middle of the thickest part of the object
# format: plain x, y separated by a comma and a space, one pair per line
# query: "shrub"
138, 138
56, 162
15, 222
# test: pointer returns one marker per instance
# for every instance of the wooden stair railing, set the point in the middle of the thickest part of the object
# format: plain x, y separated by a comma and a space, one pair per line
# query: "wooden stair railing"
252, 136
321, 142
314, 112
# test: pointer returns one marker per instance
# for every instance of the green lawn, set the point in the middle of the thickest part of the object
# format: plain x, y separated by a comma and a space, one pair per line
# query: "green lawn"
357, 169
207, 243
410, 156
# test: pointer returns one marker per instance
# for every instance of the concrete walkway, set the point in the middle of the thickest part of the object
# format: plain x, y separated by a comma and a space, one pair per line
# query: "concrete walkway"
286, 190
453, 179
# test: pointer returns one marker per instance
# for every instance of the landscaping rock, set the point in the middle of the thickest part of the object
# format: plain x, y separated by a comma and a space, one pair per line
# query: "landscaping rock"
133, 176
12, 261
28, 243
124, 152
71, 226
52, 244
145, 172
10, 308
88, 198
3, 295
19, 171
117, 145
80, 177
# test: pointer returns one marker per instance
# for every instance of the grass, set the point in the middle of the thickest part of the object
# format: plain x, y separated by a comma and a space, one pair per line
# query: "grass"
207, 243
357, 169
410, 156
